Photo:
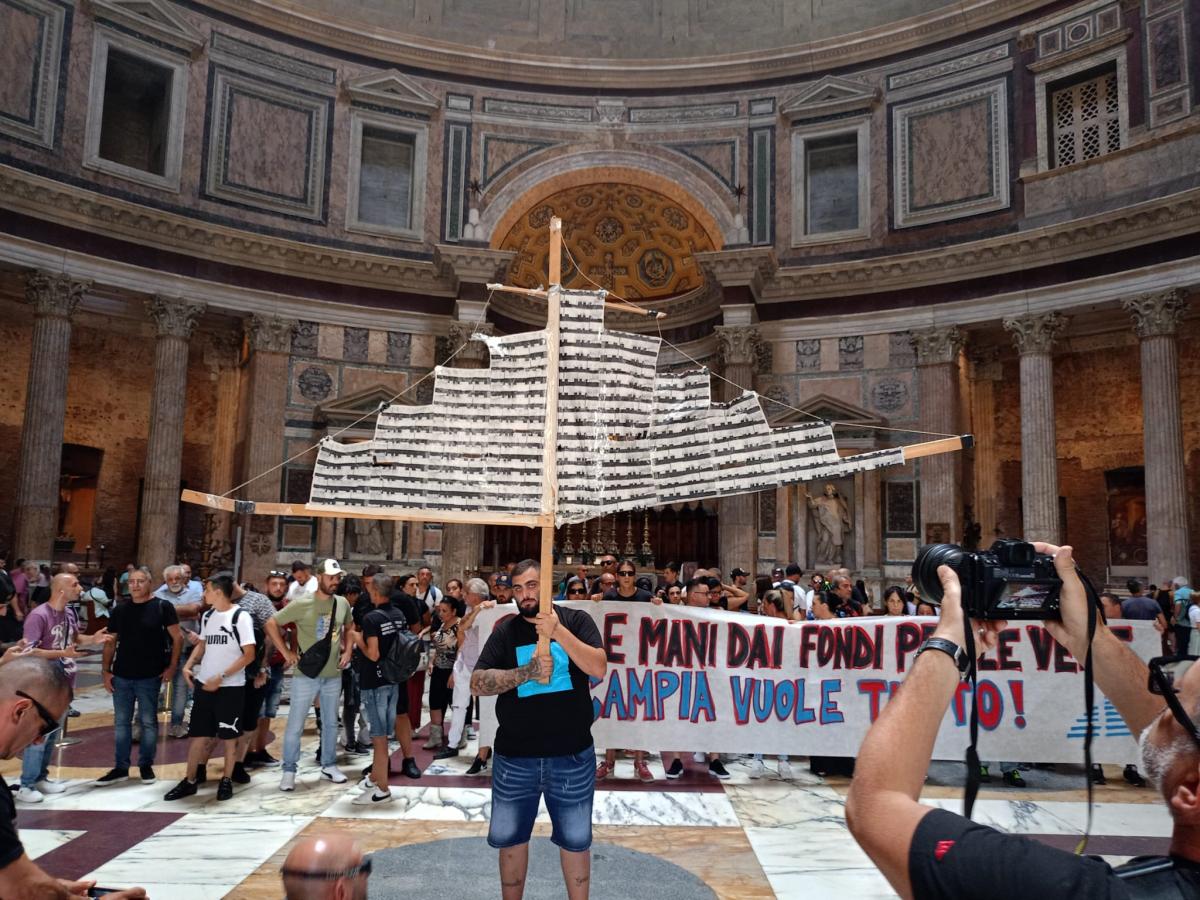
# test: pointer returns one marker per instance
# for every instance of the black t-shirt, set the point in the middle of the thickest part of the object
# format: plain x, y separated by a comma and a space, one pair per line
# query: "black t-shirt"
957, 859
11, 630
639, 596
10, 845
382, 622
410, 606
534, 719
141, 630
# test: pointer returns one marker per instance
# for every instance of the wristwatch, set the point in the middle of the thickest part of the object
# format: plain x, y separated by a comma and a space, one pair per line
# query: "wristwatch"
961, 661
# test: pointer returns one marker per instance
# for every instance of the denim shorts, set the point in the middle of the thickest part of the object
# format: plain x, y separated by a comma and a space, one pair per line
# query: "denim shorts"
380, 706
568, 784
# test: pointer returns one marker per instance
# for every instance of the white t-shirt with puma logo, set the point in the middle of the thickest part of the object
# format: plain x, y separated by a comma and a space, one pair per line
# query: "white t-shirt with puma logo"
223, 643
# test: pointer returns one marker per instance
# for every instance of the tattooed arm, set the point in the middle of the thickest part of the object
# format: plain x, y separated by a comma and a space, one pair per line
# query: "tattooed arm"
489, 682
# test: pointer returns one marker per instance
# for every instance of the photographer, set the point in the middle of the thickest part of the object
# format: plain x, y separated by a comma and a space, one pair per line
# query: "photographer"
926, 852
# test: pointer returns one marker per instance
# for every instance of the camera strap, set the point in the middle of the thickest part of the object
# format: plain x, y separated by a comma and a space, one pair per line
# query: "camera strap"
1089, 699
972, 786
971, 789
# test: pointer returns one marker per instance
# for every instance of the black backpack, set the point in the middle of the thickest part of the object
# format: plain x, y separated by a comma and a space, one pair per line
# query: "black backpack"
402, 659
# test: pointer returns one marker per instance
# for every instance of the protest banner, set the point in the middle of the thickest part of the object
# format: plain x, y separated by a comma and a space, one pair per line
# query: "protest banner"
683, 678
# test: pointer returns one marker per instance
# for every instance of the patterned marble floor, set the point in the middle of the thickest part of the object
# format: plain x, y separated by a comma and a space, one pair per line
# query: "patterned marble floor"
746, 838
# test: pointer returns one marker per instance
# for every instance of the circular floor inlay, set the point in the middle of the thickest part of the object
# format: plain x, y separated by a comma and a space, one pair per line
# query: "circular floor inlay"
468, 868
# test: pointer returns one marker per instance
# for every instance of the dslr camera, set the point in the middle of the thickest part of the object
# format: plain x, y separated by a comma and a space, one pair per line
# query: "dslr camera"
1010, 580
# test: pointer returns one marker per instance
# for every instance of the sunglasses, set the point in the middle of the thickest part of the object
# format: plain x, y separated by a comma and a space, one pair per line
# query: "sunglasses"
49, 723
576, 591
1165, 673
608, 562
363, 868
627, 574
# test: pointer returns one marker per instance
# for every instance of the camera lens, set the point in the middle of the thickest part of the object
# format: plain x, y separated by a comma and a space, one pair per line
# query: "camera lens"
924, 570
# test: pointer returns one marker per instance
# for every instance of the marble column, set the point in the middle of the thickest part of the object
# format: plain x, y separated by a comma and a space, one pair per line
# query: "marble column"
270, 340
174, 321
462, 545
54, 298
985, 373
743, 354
1034, 336
1156, 320
940, 476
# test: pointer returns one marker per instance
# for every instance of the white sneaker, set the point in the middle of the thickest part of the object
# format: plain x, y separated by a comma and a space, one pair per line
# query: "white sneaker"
393, 746
50, 786
366, 784
371, 797
179, 731
29, 795
334, 774
757, 768
288, 781
785, 770
699, 757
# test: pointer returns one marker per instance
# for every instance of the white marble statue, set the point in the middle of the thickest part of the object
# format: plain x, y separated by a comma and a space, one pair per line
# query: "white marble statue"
831, 516
368, 537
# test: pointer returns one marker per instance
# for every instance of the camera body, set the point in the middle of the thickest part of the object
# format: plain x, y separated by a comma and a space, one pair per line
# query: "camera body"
1010, 580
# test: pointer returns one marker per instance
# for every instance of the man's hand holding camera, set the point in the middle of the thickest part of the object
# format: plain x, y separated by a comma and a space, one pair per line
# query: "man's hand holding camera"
951, 625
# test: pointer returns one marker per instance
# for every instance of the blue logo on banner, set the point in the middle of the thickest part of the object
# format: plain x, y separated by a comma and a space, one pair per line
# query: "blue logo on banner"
1108, 724
559, 681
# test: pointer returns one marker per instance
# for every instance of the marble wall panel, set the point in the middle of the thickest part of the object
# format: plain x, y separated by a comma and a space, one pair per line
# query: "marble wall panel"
20, 43
377, 347
33, 35
268, 146
304, 339
892, 395
422, 351
330, 341
950, 155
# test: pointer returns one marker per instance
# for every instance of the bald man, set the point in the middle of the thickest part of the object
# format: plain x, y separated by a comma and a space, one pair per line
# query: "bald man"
326, 867
34, 694
52, 631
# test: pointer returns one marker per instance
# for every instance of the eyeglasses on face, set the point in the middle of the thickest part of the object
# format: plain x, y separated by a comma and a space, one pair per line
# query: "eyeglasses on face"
49, 723
1166, 673
608, 562
576, 591
627, 573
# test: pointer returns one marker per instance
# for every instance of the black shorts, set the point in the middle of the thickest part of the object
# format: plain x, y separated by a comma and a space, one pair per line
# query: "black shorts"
253, 704
402, 699
440, 694
219, 714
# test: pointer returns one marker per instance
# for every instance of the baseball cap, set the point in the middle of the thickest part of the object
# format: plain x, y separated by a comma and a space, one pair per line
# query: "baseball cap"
739, 572
329, 567
503, 581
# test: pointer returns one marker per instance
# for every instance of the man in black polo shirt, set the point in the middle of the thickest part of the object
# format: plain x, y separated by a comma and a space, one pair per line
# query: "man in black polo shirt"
933, 853
34, 694
544, 741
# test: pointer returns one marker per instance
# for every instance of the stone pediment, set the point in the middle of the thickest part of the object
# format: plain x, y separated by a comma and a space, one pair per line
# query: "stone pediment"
394, 90
856, 429
345, 412
150, 18
829, 96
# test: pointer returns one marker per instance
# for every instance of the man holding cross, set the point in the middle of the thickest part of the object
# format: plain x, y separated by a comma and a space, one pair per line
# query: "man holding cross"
544, 741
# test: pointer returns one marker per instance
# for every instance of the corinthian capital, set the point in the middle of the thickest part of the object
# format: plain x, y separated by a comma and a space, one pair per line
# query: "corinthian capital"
742, 345
1035, 333
174, 316
462, 334
54, 294
269, 334
937, 345
1157, 313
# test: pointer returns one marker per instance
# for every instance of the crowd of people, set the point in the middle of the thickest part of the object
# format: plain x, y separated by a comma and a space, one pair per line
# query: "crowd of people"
223, 651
